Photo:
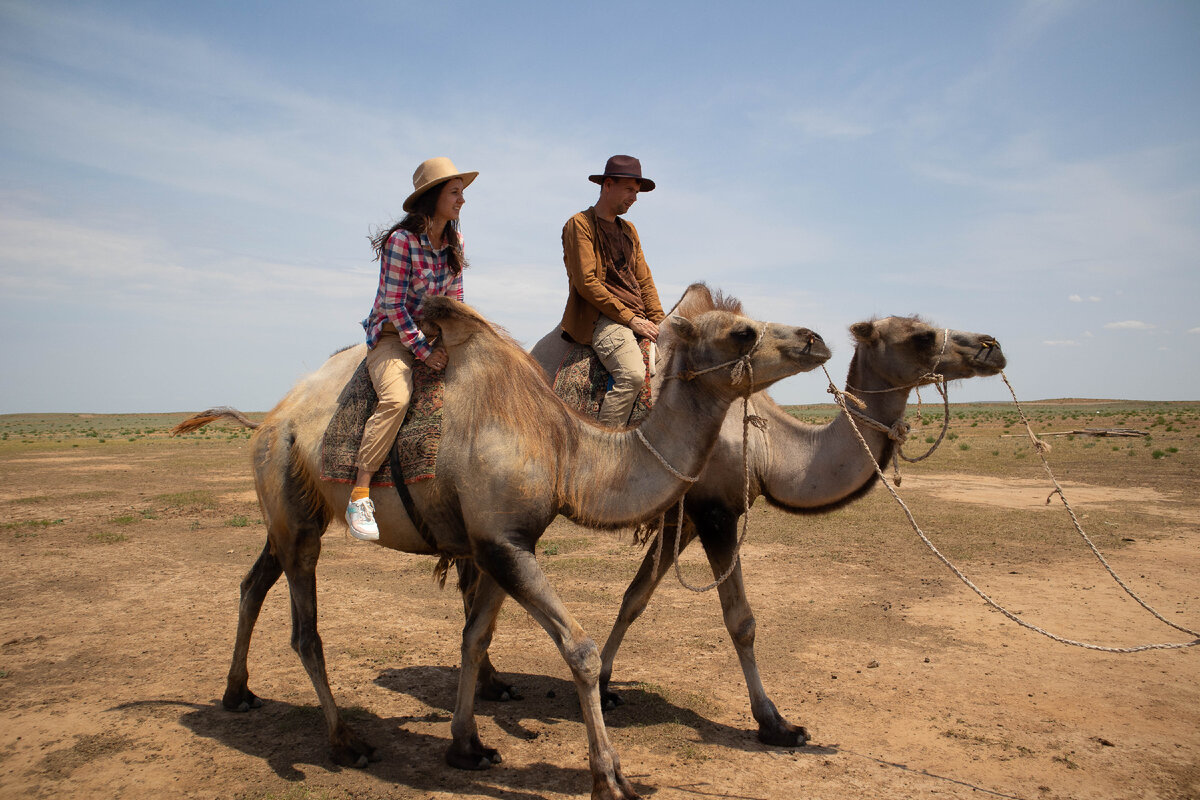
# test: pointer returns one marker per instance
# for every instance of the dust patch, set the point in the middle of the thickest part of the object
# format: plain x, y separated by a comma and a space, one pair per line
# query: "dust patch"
87, 748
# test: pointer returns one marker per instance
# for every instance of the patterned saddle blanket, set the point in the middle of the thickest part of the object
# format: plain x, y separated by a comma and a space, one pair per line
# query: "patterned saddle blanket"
417, 441
581, 381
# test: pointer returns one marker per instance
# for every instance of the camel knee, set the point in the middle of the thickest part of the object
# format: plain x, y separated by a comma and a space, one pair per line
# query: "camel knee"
743, 632
307, 644
475, 648
583, 657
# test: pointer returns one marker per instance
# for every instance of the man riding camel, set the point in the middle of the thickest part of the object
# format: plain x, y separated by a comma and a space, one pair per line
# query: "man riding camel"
612, 300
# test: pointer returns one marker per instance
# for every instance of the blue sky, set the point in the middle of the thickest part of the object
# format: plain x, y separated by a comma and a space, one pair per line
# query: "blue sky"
186, 190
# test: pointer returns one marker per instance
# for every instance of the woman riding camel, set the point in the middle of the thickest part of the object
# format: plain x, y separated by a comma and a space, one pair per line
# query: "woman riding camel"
420, 255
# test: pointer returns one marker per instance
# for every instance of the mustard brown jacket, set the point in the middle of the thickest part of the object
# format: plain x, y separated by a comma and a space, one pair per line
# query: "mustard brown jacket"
588, 297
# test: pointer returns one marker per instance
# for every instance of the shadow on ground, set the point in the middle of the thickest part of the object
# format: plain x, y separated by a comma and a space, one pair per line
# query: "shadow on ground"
550, 700
289, 737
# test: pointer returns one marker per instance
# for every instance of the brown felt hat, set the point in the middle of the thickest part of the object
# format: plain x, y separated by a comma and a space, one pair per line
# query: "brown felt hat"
431, 173
624, 167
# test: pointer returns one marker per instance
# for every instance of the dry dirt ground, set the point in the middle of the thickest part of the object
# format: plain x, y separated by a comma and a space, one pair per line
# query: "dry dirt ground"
122, 551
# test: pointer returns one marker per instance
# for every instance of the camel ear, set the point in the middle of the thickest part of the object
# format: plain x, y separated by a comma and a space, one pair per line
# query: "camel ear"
684, 328
863, 331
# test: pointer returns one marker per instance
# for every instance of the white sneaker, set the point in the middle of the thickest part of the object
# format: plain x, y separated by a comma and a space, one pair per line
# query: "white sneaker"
360, 516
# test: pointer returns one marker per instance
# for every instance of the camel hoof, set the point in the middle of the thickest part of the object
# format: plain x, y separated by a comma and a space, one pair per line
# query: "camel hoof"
610, 700
621, 790
786, 735
474, 761
353, 752
242, 702
499, 692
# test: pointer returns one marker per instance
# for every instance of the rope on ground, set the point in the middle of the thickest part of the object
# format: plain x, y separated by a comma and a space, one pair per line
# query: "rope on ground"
1041, 449
1040, 446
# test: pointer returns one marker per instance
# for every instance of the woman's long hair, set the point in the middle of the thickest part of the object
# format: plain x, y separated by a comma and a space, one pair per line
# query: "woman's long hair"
418, 221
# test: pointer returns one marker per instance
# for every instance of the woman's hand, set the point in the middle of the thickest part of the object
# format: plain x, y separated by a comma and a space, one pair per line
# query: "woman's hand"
437, 359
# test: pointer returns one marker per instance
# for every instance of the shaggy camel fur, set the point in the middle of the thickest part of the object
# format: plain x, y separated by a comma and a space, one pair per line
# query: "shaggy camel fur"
512, 457
798, 467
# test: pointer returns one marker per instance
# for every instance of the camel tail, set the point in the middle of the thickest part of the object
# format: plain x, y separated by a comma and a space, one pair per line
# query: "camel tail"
197, 421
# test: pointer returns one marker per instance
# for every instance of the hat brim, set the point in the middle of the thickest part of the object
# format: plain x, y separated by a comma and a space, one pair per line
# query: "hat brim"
467, 177
645, 184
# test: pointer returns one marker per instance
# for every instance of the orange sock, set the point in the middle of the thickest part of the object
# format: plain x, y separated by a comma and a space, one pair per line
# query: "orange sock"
359, 492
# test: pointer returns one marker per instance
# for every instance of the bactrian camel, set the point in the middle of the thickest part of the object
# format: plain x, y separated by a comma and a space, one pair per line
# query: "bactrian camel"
512, 457
798, 467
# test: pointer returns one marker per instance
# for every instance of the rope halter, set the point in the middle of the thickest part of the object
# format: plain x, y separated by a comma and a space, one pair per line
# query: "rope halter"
741, 368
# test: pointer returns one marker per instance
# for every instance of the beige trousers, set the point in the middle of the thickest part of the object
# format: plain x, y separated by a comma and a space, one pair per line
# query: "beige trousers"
618, 350
390, 364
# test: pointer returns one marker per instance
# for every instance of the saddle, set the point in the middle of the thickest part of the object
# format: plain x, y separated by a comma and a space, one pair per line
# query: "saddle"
581, 382
416, 444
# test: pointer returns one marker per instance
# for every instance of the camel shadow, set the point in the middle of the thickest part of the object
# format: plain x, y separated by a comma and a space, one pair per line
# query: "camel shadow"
290, 737
550, 701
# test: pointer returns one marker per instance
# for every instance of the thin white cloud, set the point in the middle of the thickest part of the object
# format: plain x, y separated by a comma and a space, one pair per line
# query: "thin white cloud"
1129, 325
1061, 343
821, 124
1194, 330
1079, 299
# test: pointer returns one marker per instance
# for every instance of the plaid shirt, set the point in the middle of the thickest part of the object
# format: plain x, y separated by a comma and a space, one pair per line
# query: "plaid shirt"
410, 269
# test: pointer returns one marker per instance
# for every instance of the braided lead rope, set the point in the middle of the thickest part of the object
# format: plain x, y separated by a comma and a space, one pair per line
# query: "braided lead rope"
1040, 446
1030, 626
642, 437
899, 430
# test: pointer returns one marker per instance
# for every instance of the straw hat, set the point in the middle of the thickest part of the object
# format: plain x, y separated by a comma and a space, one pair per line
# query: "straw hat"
624, 167
431, 173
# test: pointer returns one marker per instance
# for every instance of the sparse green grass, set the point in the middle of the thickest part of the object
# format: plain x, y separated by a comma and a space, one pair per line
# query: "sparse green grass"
192, 499
31, 523
108, 537
28, 501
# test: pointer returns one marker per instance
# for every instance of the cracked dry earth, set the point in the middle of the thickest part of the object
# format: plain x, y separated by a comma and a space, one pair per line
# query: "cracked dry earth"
119, 581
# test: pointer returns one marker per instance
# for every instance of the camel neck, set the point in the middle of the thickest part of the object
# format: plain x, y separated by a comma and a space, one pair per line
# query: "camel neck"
682, 428
814, 467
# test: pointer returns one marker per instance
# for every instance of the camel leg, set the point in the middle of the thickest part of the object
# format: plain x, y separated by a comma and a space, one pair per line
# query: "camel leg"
516, 570
491, 687
718, 534
637, 597
466, 751
301, 565
258, 581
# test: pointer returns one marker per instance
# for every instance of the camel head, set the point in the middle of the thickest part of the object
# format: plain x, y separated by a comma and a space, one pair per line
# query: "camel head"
902, 350
715, 347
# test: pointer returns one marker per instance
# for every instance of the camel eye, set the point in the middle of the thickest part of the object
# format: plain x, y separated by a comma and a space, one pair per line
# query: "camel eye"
925, 339
743, 333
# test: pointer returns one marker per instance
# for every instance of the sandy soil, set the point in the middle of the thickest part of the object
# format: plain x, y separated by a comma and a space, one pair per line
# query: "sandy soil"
120, 609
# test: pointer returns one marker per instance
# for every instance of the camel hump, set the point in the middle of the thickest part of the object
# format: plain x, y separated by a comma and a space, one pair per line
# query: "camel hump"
456, 320
698, 298
197, 421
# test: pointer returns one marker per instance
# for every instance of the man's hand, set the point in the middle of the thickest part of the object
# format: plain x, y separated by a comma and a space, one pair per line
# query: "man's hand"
437, 359
644, 328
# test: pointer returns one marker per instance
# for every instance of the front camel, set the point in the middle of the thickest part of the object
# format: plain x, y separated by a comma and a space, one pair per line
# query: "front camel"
512, 457
800, 468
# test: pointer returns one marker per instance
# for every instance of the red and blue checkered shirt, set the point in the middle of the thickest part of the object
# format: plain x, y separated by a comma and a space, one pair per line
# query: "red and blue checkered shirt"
409, 270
